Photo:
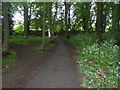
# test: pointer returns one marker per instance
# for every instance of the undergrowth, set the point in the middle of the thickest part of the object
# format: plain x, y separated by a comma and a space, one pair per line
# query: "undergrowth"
23, 40
8, 60
99, 63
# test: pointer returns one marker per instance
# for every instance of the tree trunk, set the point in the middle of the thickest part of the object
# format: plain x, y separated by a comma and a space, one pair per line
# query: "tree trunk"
116, 21
29, 20
44, 22
102, 17
104, 23
26, 19
55, 16
98, 22
50, 18
61, 23
66, 19
5, 48
10, 19
87, 16
69, 25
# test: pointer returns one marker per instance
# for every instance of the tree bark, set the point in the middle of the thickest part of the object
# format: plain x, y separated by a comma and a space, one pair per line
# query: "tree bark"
102, 18
69, 25
66, 19
44, 22
104, 23
98, 22
87, 16
26, 27
29, 20
61, 23
55, 16
116, 21
5, 48
50, 18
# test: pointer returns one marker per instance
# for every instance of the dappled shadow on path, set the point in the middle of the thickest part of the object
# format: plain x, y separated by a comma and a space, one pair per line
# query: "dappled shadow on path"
53, 69
28, 61
59, 71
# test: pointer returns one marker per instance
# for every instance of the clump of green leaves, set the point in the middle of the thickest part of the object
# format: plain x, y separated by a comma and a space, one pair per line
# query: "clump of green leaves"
9, 60
99, 63
23, 40
19, 30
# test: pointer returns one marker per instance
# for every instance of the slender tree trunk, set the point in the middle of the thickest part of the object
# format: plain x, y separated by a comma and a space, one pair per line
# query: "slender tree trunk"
62, 23
87, 17
98, 22
66, 20
73, 29
83, 20
102, 17
55, 16
26, 19
5, 48
44, 22
10, 19
114, 20
86, 26
69, 25
104, 23
29, 20
50, 18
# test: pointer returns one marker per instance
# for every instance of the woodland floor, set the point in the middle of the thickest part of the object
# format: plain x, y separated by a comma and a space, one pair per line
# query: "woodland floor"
54, 68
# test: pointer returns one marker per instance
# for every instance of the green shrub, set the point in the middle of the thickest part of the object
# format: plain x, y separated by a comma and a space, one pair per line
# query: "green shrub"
83, 40
9, 60
99, 63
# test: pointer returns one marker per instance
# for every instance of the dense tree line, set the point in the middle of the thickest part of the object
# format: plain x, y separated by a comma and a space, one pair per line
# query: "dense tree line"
63, 18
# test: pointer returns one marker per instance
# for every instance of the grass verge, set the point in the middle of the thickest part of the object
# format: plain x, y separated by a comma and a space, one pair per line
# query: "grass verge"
24, 41
48, 44
8, 60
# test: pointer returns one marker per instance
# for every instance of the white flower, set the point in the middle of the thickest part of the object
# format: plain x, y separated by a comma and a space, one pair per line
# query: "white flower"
89, 82
117, 68
85, 59
104, 76
92, 80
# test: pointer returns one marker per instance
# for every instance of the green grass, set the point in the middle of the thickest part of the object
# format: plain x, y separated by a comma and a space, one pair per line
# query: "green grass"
38, 48
47, 45
9, 60
24, 41
98, 63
